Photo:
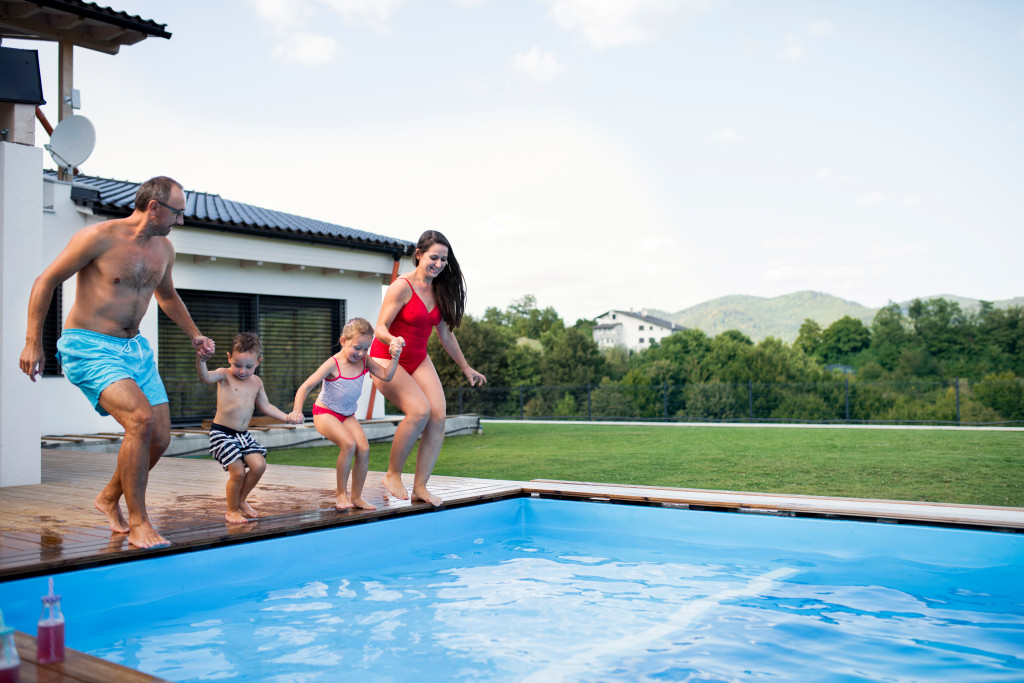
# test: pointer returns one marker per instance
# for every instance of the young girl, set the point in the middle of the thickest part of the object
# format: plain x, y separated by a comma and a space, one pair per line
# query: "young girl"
341, 380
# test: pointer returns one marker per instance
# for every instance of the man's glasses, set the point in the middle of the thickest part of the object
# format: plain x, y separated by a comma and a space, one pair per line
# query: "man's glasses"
178, 213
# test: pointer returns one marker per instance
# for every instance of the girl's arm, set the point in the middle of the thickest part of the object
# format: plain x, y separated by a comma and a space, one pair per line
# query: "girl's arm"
451, 345
268, 408
378, 370
300, 396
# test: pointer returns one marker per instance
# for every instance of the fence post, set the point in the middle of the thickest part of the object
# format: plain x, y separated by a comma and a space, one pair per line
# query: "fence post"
957, 382
522, 415
750, 396
589, 415
664, 389
847, 399
461, 409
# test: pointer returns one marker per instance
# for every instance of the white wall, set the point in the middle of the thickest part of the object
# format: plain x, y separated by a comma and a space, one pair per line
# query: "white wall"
359, 285
21, 167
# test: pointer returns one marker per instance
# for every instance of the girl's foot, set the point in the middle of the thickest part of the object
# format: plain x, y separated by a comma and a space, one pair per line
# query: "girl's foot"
362, 504
393, 484
247, 510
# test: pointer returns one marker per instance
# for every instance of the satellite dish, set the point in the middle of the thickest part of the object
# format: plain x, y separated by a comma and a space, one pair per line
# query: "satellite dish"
71, 142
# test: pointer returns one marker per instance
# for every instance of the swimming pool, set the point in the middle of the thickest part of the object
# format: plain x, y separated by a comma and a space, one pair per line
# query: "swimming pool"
548, 590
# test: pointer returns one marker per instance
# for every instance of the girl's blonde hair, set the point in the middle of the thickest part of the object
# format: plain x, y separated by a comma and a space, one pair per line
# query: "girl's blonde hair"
356, 327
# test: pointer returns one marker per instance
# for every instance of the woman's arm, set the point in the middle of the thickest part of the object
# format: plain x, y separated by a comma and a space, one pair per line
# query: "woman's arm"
398, 295
451, 345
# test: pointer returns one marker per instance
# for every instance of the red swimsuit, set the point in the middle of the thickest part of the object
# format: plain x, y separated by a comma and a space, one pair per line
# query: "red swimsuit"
414, 324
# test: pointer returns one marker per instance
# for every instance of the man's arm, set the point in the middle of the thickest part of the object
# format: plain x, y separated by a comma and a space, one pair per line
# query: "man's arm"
170, 302
83, 247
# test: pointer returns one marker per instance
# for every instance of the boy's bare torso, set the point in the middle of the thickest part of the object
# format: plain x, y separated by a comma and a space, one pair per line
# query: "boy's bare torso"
236, 400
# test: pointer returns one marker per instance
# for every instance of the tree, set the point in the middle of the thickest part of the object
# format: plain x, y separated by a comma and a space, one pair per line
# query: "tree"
809, 338
889, 335
843, 340
570, 357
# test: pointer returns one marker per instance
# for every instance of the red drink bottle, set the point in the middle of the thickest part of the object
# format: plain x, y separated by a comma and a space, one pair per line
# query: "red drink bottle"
50, 634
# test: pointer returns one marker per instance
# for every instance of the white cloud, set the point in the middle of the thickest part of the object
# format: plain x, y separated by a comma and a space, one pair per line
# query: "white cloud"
282, 14
374, 13
911, 201
873, 198
305, 48
727, 136
820, 29
537, 65
825, 173
793, 49
615, 23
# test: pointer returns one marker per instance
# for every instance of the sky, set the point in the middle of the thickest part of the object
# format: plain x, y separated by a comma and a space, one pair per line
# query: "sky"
599, 154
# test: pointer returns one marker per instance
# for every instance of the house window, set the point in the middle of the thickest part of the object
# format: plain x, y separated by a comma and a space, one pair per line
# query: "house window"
652, 340
52, 325
298, 333
641, 328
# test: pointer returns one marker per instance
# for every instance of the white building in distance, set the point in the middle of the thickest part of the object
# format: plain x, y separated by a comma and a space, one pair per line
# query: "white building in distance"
631, 331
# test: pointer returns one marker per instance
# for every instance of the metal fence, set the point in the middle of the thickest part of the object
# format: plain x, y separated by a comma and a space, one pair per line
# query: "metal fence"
845, 401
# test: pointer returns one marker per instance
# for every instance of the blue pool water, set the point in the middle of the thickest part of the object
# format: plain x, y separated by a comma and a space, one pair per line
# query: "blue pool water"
549, 590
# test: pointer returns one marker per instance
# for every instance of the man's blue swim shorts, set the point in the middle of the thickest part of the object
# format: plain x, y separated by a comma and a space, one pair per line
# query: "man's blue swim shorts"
94, 361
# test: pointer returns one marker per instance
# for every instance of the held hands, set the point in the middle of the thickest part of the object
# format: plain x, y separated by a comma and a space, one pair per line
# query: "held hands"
396, 346
295, 418
204, 346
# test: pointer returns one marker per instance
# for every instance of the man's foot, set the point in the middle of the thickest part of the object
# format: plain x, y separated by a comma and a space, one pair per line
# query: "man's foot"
112, 511
145, 536
247, 510
362, 504
235, 517
421, 493
394, 486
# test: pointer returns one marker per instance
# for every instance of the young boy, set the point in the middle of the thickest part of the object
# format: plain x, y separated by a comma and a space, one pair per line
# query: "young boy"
239, 391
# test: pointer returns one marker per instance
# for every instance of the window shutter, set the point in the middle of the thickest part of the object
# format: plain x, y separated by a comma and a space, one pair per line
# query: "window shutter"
297, 334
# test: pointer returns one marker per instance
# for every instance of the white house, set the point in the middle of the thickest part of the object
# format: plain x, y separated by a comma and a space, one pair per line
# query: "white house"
238, 267
632, 331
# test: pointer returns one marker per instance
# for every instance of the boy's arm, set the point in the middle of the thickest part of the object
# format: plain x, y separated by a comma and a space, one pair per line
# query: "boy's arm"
205, 375
268, 408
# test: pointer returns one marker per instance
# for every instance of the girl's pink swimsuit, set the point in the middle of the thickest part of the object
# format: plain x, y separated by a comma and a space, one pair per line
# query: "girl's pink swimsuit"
414, 324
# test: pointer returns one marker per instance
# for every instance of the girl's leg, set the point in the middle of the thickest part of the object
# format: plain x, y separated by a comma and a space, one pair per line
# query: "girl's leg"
257, 466
433, 433
406, 394
333, 429
236, 475
360, 462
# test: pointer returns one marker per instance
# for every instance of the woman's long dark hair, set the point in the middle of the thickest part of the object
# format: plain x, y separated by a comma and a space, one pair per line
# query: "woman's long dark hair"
449, 286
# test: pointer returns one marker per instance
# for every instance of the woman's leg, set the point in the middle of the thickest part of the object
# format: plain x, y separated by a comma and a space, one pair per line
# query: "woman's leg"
433, 433
406, 394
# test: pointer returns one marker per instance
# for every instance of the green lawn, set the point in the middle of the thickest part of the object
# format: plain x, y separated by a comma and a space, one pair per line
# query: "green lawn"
978, 467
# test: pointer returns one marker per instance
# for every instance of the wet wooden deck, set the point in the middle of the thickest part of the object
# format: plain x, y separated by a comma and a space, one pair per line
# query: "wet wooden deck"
53, 526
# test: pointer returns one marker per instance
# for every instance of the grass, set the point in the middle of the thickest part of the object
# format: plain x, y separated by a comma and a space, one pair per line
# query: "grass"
947, 466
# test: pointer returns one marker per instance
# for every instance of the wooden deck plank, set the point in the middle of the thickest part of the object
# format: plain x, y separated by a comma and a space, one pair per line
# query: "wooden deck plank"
76, 667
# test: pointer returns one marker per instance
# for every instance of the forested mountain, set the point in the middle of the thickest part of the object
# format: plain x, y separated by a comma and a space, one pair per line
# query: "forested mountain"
781, 316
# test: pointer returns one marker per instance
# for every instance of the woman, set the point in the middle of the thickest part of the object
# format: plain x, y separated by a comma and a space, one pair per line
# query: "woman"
433, 296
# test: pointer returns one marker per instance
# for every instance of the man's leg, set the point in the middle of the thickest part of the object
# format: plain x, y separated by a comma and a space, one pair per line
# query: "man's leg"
146, 429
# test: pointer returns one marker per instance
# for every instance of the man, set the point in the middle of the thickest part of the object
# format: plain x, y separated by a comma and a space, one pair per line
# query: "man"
120, 265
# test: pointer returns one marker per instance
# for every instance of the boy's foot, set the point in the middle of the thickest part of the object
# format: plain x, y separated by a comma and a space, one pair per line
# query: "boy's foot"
362, 504
247, 510
235, 517
145, 536
421, 493
393, 484
342, 502
112, 511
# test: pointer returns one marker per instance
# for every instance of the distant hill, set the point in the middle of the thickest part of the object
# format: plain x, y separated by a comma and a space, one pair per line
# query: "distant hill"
781, 316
